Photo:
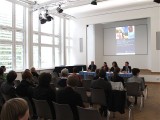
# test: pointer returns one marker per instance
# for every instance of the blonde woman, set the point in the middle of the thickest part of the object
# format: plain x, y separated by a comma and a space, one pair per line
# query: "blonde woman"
15, 109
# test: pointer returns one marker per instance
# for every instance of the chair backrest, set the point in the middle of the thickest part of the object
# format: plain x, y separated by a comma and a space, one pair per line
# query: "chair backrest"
63, 111
86, 84
117, 86
30, 106
42, 109
88, 114
98, 97
82, 92
133, 88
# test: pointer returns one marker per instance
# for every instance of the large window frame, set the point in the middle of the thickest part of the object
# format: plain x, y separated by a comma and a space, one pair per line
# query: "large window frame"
21, 44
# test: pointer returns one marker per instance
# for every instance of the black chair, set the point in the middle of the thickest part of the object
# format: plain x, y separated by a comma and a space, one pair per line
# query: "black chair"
86, 84
82, 92
43, 110
145, 88
63, 111
88, 114
133, 90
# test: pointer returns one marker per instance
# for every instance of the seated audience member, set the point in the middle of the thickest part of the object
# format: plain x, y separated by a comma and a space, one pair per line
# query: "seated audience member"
34, 72
97, 74
7, 87
92, 67
71, 97
114, 65
2, 75
105, 67
25, 88
44, 92
15, 109
126, 68
79, 79
136, 78
101, 83
62, 81
116, 77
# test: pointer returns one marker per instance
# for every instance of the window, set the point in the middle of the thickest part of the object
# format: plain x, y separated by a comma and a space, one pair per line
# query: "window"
46, 57
35, 20
12, 34
6, 13
46, 43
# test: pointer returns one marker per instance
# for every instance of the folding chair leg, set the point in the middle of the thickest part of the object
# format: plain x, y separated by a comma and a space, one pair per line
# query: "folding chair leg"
130, 114
146, 93
108, 115
142, 103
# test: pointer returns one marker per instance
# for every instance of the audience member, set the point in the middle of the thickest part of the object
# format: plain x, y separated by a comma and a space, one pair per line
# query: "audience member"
101, 83
69, 96
105, 67
7, 87
25, 88
79, 79
92, 67
116, 77
34, 72
126, 68
62, 81
15, 109
2, 75
97, 74
44, 92
114, 65
136, 78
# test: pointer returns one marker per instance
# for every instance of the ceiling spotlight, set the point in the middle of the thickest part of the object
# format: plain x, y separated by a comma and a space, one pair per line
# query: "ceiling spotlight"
48, 17
94, 2
42, 20
59, 9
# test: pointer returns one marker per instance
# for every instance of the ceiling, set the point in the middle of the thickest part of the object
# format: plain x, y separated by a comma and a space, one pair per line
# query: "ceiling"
73, 7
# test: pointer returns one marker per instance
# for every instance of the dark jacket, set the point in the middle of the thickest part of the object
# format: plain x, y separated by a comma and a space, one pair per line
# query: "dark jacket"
62, 82
69, 96
92, 68
8, 89
127, 69
25, 89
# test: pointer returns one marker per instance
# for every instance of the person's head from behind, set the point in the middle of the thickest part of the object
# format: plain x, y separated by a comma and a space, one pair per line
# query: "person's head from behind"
105, 63
26, 75
15, 109
44, 79
11, 76
33, 69
114, 64
92, 62
72, 81
116, 71
1, 71
74, 70
102, 73
64, 72
135, 71
126, 63
4, 68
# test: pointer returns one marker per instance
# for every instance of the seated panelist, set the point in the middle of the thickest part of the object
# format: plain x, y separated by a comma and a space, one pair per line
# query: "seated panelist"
126, 68
92, 67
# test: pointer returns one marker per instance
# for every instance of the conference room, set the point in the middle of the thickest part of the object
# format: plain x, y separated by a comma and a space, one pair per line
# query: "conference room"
52, 35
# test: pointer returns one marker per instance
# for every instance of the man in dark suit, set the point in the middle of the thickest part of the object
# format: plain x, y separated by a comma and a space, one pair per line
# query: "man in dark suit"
69, 96
126, 68
92, 67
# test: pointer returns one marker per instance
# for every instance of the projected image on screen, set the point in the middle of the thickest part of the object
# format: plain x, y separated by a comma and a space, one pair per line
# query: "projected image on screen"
125, 40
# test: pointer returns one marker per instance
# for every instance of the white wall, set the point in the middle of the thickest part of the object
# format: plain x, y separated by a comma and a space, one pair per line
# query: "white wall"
151, 61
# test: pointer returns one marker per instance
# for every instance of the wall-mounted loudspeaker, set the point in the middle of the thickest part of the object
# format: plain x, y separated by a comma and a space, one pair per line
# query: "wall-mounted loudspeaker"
158, 40
157, 1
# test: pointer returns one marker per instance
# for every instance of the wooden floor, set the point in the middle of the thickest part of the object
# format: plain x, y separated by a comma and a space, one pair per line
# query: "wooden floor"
151, 110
